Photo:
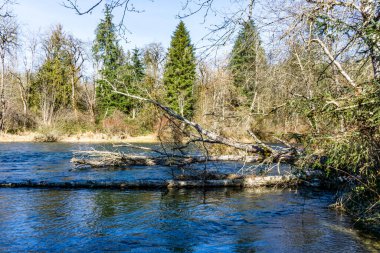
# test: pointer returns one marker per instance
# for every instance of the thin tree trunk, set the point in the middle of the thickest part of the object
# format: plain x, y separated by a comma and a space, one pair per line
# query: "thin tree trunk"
73, 97
2, 91
133, 113
375, 57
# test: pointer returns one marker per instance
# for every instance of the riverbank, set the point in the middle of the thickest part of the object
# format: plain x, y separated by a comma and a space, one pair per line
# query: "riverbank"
76, 138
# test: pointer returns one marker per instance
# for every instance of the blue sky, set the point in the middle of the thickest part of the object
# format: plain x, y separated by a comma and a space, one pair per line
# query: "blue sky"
155, 24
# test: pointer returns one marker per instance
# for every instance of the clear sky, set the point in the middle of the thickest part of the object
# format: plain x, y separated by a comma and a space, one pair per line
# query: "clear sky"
155, 24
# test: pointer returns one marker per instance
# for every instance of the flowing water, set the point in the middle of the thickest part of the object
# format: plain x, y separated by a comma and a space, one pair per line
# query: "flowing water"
220, 220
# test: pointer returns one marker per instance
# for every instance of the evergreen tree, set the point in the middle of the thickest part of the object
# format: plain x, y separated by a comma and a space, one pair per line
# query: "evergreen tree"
52, 89
137, 66
110, 58
179, 75
132, 74
247, 58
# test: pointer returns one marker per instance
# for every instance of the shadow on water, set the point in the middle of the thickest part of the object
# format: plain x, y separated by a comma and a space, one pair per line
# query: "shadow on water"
220, 220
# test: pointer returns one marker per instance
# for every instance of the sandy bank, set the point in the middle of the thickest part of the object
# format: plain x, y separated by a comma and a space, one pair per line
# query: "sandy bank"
81, 138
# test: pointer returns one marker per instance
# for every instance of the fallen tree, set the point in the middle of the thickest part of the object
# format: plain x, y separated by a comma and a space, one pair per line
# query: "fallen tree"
257, 152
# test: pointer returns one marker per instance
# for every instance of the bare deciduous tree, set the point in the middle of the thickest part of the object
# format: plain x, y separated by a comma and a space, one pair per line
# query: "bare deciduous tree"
77, 58
8, 41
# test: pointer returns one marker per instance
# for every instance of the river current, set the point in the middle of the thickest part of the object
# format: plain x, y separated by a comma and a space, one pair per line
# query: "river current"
217, 220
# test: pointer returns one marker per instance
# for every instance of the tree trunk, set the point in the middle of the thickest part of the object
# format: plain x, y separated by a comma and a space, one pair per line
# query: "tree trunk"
2, 91
371, 17
211, 136
375, 57
73, 96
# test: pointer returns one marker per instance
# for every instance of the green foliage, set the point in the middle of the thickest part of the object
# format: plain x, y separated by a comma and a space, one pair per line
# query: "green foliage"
52, 83
355, 147
132, 75
110, 58
180, 73
68, 124
137, 66
350, 145
247, 58
141, 125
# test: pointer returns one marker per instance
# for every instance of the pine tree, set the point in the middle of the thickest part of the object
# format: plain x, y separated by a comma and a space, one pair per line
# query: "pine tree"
247, 58
179, 75
110, 58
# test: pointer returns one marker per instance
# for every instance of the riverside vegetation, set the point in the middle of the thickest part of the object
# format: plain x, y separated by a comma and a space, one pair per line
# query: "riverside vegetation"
315, 80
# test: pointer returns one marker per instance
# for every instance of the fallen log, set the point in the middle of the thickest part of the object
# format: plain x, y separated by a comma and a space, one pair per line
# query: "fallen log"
256, 152
139, 184
243, 182
209, 135
98, 159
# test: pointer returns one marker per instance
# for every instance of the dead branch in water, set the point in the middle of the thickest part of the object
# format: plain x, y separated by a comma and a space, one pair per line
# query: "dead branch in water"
213, 138
257, 152
251, 148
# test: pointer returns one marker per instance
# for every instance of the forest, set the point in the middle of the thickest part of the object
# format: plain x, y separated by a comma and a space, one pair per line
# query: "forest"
304, 73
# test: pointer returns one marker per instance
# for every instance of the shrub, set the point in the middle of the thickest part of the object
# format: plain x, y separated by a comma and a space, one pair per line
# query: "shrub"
46, 137
68, 123
116, 123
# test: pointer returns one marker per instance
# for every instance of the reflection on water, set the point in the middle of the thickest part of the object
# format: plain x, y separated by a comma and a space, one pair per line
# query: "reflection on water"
51, 162
223, 220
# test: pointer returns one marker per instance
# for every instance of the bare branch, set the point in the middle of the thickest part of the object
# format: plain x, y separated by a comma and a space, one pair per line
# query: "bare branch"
337, 64
73, 4
211, 135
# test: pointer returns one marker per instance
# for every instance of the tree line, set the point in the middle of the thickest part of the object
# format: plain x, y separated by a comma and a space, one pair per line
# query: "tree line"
65, 83
306, 68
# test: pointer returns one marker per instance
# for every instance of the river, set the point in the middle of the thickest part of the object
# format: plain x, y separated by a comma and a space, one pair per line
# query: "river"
219, 220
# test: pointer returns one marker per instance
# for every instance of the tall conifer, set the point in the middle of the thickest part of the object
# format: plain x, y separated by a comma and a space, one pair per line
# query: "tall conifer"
179, 75
247, 58
109, 57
